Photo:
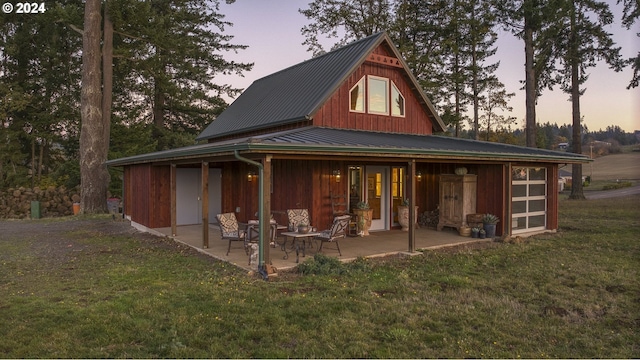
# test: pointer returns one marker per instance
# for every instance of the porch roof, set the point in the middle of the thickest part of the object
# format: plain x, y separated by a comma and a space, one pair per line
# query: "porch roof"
341, 142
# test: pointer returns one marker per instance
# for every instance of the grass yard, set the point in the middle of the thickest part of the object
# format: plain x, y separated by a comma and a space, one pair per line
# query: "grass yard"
575, 294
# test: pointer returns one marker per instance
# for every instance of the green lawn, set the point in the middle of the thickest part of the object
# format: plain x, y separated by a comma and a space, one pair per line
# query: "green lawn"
575, 294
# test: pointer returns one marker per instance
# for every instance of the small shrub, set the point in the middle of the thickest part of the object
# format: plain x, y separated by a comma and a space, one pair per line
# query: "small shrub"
619, 185
321, 264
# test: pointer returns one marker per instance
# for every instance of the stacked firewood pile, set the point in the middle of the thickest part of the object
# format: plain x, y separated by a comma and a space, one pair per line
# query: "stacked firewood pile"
53, 201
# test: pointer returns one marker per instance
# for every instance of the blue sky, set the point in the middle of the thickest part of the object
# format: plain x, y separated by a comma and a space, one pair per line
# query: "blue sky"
271, 29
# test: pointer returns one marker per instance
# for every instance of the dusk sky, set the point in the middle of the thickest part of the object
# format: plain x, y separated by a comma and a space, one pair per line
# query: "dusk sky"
271, 29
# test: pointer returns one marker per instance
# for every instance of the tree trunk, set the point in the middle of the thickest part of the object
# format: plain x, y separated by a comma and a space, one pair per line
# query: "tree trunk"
530, 84
577, 192
33, 162
476, 91
94, 178
107, 73
41, 159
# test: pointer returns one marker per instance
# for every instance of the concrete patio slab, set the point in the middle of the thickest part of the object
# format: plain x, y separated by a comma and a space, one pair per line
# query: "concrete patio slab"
382, 243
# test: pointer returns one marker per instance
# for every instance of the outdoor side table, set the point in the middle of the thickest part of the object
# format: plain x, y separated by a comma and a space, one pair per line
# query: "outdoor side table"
296, 236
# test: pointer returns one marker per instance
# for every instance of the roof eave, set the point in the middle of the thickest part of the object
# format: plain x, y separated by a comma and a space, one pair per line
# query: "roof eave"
218, 150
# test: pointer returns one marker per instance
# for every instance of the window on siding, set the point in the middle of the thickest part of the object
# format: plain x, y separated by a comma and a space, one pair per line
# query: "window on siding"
356, 96
378, 95
397, 101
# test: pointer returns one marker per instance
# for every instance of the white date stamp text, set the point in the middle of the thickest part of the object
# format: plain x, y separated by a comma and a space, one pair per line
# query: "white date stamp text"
24, 8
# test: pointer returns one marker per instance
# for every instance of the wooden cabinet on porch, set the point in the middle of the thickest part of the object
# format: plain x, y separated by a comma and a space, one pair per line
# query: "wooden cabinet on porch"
457, 199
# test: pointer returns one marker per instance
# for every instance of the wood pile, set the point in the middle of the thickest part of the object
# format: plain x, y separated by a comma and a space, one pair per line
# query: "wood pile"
54, 201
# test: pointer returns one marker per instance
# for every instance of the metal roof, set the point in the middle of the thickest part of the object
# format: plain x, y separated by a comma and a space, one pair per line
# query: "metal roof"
296, 93
327, 141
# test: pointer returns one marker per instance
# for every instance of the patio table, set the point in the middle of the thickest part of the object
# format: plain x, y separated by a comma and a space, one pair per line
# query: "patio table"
295, 242
253, 225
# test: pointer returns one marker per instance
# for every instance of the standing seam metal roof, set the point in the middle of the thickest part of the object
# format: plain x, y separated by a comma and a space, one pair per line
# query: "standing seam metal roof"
292, 94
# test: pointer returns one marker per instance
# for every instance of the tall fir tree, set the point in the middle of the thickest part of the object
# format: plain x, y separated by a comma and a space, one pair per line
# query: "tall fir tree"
482, 39
39, 77
167, 55
631, 13
579, 41
525, 19
94, 147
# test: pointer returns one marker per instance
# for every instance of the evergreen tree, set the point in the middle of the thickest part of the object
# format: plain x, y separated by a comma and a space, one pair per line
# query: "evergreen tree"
39, 74
419, 30
526, 18
167, 54
482, 38
580, 40
631, 13
354, 19
496, 99
93, 146
457, 63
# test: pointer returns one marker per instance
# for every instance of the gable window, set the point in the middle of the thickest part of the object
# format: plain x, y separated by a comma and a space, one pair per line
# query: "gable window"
529, 199
383, 97
378, 95
397, 101
356, 96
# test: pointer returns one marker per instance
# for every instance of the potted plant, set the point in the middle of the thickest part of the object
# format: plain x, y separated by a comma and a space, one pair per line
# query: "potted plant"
489, 222
303, 228
482, 234
403, 215
364, 213
475, 232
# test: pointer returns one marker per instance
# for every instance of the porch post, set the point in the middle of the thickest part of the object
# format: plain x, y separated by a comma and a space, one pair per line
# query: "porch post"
266, 209
412, 208
205, 205
174, 226
506, 221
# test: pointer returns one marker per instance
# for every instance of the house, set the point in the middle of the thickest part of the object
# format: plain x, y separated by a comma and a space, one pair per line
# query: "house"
565, 178
352, 122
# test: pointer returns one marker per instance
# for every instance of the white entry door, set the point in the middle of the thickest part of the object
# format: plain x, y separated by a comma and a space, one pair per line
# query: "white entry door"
377, 195
189, 195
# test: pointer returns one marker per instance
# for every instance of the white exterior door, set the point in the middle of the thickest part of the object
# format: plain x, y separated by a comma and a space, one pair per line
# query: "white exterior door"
189, 195
377, 195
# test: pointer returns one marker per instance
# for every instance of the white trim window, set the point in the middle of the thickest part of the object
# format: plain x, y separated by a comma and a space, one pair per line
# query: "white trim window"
356, 96
378, 96
383, 97
397, 101
528, 199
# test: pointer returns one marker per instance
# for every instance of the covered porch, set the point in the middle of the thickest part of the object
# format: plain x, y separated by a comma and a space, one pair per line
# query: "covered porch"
377, 244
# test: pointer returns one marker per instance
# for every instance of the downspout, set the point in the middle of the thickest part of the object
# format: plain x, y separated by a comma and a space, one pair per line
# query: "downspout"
261, 268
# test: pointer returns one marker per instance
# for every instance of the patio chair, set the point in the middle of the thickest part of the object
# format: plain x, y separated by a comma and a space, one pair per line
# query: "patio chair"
297, 217
229, 230
339, 207
253, 232
338, 230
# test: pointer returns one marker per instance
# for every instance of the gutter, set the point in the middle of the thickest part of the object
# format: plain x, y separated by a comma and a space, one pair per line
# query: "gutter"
261, 268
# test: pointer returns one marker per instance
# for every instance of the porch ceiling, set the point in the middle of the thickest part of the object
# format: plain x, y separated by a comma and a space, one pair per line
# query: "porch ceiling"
342, 142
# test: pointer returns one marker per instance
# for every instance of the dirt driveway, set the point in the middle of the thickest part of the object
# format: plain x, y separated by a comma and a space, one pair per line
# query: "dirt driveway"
56, 240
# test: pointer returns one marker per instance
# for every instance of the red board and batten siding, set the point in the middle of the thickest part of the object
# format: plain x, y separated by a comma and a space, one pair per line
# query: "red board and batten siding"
552, 197
335, 112
147, 195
